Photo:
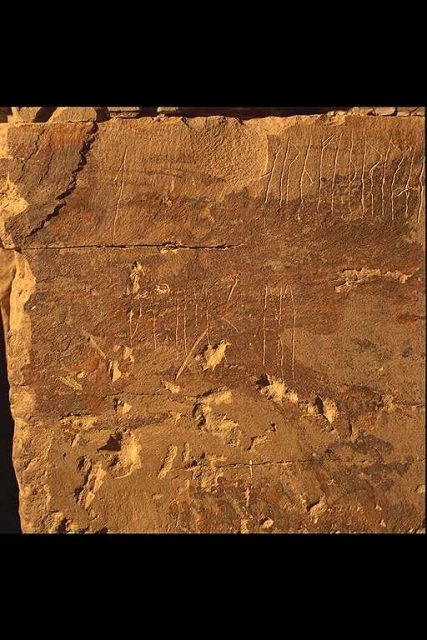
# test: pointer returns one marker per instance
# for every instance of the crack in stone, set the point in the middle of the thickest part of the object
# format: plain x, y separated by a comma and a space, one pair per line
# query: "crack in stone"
263, 464
83, 153
167, 246
266, 463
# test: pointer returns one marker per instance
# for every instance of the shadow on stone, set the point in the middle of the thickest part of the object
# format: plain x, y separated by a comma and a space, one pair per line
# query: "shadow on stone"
9, 515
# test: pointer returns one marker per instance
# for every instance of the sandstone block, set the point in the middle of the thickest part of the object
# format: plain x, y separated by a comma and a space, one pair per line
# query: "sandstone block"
74, 114
216, 326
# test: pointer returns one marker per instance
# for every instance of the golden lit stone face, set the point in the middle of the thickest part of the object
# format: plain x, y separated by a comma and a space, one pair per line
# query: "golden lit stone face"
215, 325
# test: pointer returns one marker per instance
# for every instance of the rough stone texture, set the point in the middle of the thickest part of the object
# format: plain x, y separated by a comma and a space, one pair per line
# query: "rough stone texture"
124, 112
100, 114
26, 114
74, 114
216, 326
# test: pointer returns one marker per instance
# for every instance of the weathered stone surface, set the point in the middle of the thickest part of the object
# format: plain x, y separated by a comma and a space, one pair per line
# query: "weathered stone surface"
91, 114
363, 111
74, 114
385, 111
216, 326
410, 111
26, 114
123, 112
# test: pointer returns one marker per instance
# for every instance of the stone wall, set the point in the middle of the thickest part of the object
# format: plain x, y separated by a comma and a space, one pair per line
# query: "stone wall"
215, 323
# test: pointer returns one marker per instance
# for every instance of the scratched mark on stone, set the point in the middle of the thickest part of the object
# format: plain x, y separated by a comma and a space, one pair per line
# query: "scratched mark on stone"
184, 323
283, 172
393, 181
121, 170
350, 164
264, 326
294, 159
384, 176
190, 353
267, 192
207, 312
323, 146
154, 317
233, 286
335, 173
362, 191
421, 185
176, 325
196, 308
407, 187
304, 172
278, 297
371, 176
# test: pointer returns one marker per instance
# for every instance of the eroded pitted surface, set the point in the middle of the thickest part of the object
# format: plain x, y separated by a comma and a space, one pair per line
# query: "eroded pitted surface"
217, 326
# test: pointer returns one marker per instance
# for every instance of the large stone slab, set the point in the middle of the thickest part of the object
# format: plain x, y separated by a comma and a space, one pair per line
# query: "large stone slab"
216, 326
